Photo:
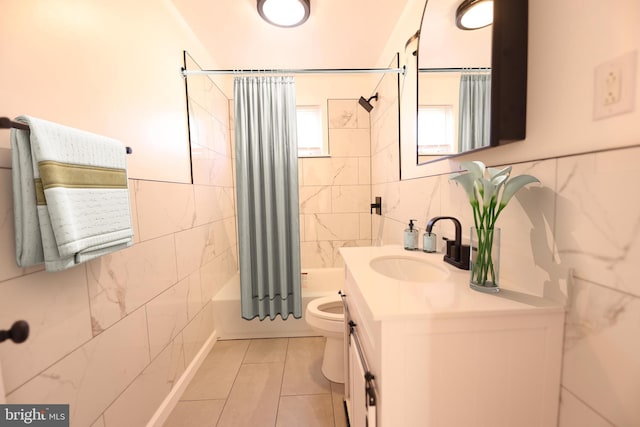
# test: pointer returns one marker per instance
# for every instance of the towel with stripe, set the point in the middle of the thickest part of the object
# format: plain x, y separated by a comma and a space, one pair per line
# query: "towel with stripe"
70, 194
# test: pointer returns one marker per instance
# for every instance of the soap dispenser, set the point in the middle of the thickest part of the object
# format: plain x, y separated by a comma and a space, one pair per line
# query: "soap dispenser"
411, 237
429, 242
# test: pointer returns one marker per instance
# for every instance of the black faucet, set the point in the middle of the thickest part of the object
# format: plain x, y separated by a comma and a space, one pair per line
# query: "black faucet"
457, 253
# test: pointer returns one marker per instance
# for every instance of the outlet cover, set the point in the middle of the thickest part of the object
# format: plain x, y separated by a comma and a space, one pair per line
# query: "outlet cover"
615, 86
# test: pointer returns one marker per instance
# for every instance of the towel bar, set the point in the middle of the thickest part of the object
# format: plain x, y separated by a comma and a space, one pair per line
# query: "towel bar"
7, 123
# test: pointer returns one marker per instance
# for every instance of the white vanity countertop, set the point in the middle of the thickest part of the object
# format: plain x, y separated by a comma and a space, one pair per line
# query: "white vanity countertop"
389, 298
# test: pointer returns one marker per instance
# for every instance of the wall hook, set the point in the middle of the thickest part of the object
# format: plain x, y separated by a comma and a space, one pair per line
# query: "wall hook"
18, 333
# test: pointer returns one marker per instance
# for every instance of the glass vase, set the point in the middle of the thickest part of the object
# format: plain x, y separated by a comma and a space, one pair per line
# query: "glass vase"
485, 260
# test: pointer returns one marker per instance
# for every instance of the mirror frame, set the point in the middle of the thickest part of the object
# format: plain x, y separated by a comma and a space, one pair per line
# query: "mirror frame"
509, 46
509, 71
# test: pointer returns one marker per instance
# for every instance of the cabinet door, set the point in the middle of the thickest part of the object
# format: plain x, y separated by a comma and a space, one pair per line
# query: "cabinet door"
358, 417
363, 413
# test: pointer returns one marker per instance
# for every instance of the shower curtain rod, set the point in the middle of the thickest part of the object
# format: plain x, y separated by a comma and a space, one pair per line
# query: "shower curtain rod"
453, 70
402, 71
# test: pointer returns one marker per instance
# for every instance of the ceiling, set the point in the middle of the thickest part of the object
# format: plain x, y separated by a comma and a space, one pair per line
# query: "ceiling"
338, 33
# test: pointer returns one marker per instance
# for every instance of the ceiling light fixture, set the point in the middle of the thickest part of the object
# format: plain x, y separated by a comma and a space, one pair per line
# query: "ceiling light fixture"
474, 14
284, 13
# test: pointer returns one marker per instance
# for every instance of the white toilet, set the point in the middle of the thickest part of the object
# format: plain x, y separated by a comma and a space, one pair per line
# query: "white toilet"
326, 316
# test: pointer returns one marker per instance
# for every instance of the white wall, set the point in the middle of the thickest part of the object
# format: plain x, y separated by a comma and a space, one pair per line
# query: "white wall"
111, 68
567, 41
111, 337
580, 223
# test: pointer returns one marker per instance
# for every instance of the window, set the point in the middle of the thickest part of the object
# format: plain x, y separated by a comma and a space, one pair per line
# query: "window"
436, 129
310, 131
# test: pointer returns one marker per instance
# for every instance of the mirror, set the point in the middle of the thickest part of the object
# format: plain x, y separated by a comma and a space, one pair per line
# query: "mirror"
453, 65
471, 84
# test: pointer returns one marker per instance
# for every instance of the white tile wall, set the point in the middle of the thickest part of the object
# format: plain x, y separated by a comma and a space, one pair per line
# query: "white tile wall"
573, 412
111, 337
164, 208
601, 364
93, 375
599, 217
315, 199
349, 142
55, 306
585, 218
167, 314
154, 383
335, 192
121, 282
347, 114
330, 170
338, 226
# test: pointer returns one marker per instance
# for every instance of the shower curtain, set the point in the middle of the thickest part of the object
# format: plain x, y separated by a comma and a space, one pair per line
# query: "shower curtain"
267, 196
475, 111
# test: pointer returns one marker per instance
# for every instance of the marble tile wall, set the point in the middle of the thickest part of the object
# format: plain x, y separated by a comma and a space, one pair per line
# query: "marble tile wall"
335, 192
111, 337
583, 219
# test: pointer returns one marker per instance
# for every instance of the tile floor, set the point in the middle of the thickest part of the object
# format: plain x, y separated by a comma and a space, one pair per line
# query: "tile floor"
261, 383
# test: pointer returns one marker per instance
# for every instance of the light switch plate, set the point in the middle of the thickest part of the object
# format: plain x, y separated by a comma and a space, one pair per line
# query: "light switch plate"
615, 86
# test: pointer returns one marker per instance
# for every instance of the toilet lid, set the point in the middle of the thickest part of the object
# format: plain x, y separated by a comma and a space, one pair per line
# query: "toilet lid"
328, 308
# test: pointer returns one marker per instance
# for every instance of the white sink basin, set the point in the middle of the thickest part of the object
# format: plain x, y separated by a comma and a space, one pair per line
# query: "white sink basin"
408, 269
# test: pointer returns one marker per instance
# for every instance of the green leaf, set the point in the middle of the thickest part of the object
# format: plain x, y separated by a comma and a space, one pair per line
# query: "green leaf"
513, 185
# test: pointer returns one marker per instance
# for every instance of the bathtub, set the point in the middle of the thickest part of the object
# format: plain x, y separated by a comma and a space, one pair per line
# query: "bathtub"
316, 283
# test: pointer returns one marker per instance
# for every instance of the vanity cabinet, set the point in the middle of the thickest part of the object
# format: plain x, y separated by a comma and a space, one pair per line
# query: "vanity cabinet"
360, 389
442, 354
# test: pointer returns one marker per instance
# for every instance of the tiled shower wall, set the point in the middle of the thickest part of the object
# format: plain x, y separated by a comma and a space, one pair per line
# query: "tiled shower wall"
335, 191
584, 218
111, 337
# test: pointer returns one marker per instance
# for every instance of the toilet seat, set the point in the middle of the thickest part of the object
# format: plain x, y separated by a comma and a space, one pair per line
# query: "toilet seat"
327, 308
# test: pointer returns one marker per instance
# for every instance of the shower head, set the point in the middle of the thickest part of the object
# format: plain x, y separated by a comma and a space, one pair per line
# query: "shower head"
366, 103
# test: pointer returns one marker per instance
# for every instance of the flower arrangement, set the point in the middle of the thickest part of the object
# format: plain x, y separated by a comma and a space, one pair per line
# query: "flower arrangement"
489, 190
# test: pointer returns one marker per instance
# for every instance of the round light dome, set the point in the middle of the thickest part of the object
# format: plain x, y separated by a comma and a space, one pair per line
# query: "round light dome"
284, 13
474, 14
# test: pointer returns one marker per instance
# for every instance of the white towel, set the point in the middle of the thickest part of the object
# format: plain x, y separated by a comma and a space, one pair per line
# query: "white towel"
71, 199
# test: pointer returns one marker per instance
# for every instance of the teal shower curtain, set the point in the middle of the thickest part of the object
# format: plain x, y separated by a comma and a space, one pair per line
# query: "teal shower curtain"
475, 111
267, 196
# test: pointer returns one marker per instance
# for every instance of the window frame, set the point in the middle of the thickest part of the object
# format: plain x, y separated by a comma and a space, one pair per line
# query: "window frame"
449, 131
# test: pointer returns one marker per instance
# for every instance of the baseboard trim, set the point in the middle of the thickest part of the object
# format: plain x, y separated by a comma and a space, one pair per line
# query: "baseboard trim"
170, 402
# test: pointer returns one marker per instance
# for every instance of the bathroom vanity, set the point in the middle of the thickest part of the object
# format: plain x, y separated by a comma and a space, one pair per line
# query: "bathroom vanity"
423, 349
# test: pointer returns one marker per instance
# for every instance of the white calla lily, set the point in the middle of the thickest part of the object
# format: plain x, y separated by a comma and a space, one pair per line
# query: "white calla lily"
475, 168
495, 172
488, 196
467, 181
489, 191
514, 184
498, 181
